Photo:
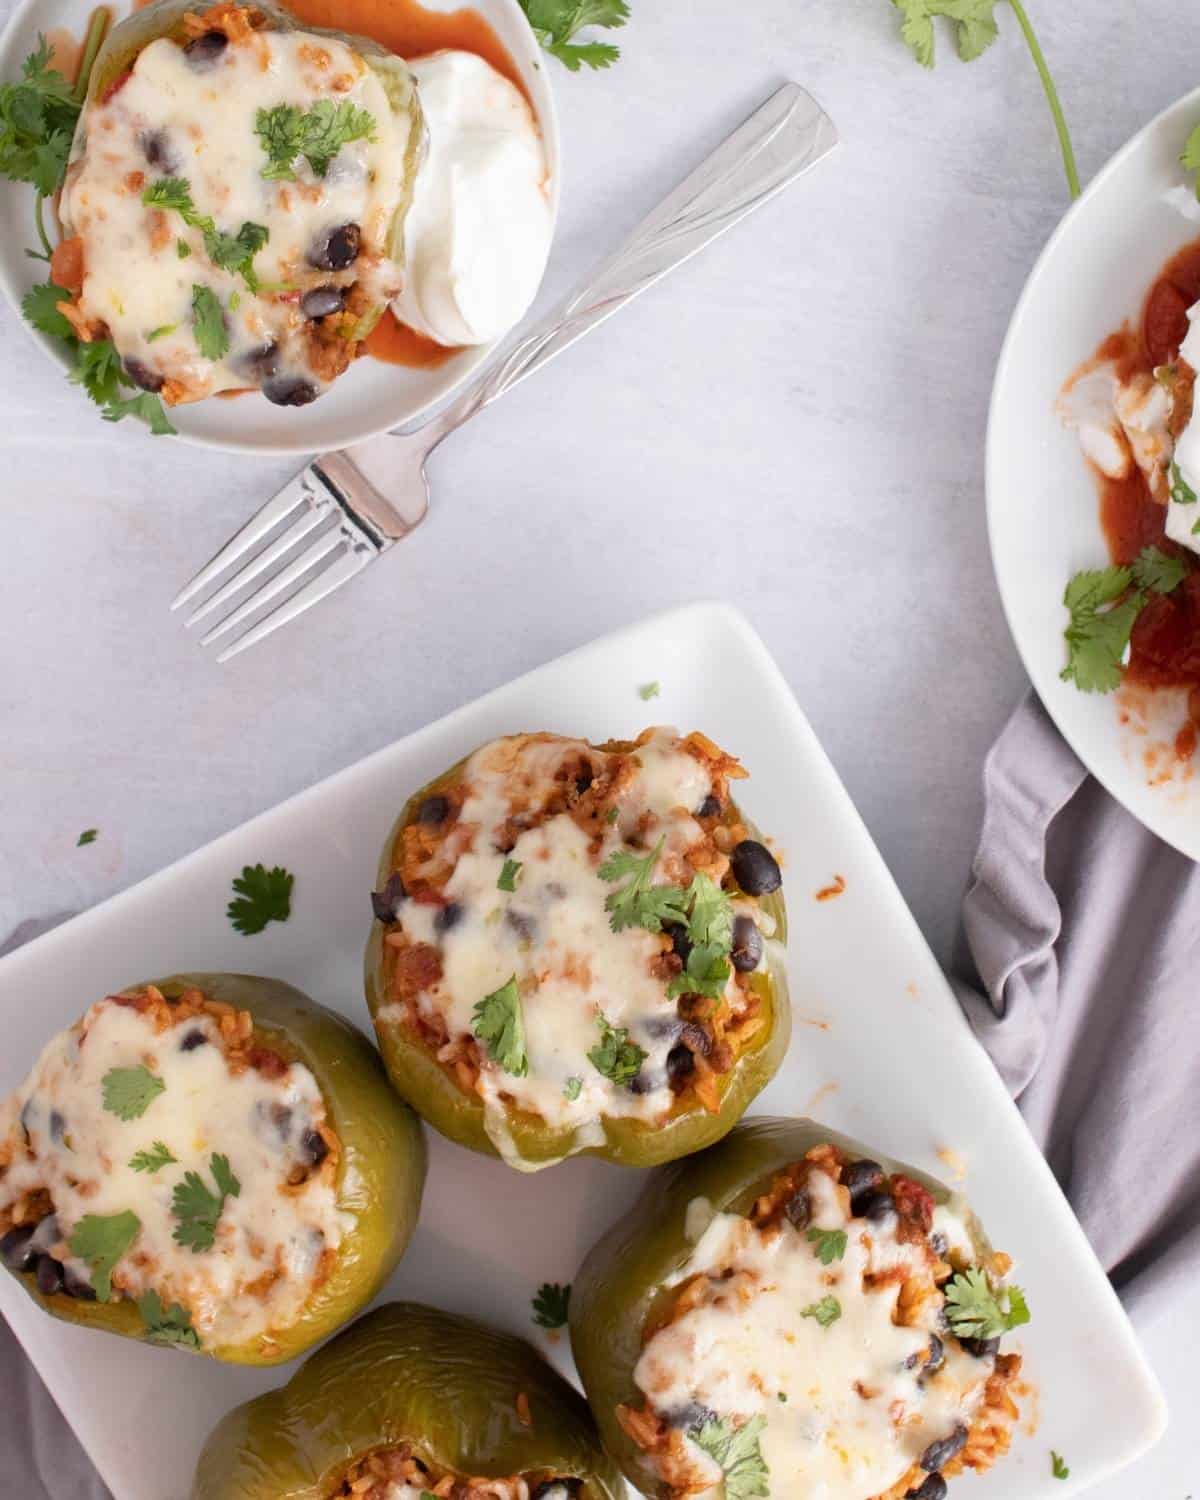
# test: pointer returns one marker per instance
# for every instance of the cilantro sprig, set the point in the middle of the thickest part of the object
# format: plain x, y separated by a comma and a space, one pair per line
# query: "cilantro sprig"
129, 1092
198, 1208
619, 1059
317, 134
231, 252
498, 1023
153, 1158
208, 323
829, 1244
1104, 604
978, 1310
101, 1240
555, 23
828, 1310
975, 29
167, 1325
638, 903
550, 1304
37, 123
1181, 491
739, 1453
262, 896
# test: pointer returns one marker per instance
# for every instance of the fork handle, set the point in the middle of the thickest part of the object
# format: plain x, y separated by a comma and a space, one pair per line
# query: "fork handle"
782, 139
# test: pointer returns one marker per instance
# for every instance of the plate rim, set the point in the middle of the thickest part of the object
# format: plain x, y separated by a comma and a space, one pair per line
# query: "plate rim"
1153, 817
471, 362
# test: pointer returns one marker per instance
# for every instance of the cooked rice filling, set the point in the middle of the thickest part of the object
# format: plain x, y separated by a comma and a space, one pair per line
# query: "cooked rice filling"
398, 1474
156, 1109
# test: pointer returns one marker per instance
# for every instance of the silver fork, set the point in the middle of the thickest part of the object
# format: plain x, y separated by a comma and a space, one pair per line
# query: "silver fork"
333, 518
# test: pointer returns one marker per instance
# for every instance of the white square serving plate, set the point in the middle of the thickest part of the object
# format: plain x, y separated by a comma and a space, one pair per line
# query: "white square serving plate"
880, 1049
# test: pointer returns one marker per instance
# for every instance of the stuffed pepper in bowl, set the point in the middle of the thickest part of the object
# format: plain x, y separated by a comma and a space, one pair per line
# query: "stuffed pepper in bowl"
790, 1314
234, 203
578, 948
410, 1403
213, 1162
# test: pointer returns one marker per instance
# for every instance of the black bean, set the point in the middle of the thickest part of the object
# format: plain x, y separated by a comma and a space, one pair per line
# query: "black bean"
798, 1209
143, 376
58, 1126
289, 390
204, 51
336, 249
691, 1417
876, 1206
49, 1276
861, 1178
981, 1348
663, 1026
681, 1063
755, 868
747, 944
322, 301
937, 1356
521, 923
710, 807
385, 902
680, 942
15, 1249
696, 1038
938, 1454
433, 810
584, 779
261, 362
77, 1286
192, 1040
934, 1488
281, 1118
641, 1083
939, 1244
449, 916
156, 148
313, 1149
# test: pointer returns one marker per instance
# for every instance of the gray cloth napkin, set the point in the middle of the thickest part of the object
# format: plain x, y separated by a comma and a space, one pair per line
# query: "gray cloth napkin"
1078, 970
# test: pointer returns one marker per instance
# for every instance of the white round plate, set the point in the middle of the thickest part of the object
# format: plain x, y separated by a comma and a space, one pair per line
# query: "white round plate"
371, 397
1043, 503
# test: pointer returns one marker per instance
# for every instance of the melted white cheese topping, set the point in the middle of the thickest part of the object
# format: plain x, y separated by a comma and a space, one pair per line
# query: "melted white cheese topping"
199, 125
82, 1155
478, 232
554, 934
845, 1418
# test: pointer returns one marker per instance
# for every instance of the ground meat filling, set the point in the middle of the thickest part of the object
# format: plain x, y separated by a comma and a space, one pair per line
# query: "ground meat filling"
399, 1474
820, 1318
162, 1152
499, 874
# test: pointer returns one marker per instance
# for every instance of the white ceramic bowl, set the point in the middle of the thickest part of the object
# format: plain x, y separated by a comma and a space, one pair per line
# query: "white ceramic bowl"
1043, 503
371, 397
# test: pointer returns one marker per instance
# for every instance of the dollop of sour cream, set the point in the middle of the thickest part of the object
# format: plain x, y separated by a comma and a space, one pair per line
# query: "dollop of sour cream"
478, 230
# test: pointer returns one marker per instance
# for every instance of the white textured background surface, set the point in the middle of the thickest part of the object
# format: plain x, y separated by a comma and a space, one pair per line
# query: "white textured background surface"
795, 421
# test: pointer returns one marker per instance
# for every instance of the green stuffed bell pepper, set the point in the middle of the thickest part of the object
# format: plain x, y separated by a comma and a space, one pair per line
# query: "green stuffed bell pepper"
210, 1161
578, 948
235, 200
412, 1401
790, 1313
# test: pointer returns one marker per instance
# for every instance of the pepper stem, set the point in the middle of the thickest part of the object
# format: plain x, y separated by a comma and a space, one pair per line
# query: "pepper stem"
97, 29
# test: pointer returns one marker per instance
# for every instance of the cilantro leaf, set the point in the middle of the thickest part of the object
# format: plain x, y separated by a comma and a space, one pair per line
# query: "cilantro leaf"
98, 370
615, 1056
639, 904
265, 896
88, 836
317, 134
39, 306
208, 323
572, 1089
129, 1092
739, 1454
1099, 628
101, 1240
1058, 1466
705, 973
231, 252
37, 123
182, 249
499, 1025
1157, 570
827, 1311
649, 690
975, 29
556, 22
145, 405
830, 1244
198, 1209
166, 1325
711, 919
975, 1310
159, 1155
508, 875
550, 1304
1181, 491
